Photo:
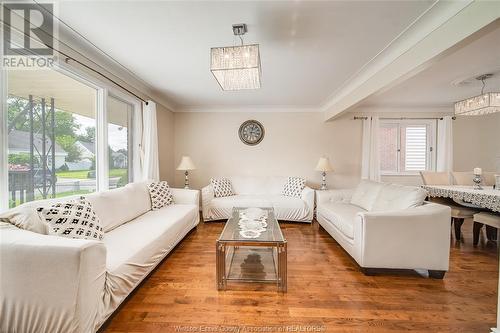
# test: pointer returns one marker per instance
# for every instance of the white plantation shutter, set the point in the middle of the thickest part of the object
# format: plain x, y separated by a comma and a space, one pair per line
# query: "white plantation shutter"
415, 148
406, 146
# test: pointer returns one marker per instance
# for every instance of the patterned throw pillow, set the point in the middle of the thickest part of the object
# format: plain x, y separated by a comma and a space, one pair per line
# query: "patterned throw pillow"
222, 187
72, 219
160, 194
294, 187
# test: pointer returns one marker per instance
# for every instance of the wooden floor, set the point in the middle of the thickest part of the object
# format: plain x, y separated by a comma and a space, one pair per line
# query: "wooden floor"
326, 292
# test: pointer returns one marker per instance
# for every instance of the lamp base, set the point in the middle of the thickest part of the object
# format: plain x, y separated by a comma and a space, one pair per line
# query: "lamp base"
323, 183
186, 180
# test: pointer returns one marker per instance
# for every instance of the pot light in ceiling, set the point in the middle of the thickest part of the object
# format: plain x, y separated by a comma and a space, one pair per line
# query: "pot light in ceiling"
236, 67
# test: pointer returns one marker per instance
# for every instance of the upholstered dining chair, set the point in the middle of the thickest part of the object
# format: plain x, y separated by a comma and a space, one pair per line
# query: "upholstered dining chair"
458, 213
465, 178
490, 220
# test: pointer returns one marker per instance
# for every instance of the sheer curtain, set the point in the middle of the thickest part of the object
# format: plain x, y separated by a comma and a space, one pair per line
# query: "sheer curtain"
370, 159
444, 149
149, 149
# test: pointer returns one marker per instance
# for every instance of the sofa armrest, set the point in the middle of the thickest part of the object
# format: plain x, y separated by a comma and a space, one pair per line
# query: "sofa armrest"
334, 196
308, 196
207, 195
59, 279
416, 237
186, 196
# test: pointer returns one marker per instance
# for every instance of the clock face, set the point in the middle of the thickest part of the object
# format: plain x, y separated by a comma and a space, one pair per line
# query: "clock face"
251, 132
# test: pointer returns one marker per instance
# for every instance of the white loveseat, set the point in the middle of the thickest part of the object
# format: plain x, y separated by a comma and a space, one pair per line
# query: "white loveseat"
55, 284
388, 226
259, 192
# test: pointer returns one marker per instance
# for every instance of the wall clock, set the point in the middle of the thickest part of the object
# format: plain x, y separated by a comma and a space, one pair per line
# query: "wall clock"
251, 132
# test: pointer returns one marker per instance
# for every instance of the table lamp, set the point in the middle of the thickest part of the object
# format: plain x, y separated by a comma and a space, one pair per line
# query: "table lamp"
186, 165
324, 166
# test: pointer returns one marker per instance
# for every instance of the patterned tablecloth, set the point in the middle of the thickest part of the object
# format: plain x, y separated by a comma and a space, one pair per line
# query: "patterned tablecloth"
488, 197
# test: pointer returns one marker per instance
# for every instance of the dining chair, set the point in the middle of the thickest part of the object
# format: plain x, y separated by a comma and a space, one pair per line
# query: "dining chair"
465, 178
458, 213
490, 220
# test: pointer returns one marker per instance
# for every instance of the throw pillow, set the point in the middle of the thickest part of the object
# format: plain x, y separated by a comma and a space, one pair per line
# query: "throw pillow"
72, 219
294, 187
160, 194
222, 187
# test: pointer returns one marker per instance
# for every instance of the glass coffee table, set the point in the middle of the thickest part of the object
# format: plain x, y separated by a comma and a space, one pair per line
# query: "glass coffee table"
261, 258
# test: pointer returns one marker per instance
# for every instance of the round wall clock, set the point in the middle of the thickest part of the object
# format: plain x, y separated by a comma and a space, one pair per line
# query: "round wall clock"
251, 132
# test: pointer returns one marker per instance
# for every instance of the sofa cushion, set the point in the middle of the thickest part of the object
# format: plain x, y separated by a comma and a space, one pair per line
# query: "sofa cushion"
294, 187
341, 215
72, 219
366, 193
397, 197
221, 187
135, 248
160, 195
285, 208
118, 206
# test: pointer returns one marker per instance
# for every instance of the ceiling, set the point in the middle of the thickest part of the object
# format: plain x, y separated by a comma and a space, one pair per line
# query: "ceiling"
451, 78
308, 48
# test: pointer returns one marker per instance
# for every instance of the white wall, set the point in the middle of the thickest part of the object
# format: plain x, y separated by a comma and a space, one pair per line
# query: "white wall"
477, 142
295, 140
292, 145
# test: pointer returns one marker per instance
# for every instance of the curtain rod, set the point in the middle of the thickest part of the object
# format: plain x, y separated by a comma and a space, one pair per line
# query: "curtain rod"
403, 118
68, 58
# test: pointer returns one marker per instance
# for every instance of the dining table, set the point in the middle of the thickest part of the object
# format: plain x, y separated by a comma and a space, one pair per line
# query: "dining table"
487, 197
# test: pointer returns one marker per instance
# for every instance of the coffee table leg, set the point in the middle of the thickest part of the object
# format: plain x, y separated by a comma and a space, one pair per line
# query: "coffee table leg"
282, 269
220, 258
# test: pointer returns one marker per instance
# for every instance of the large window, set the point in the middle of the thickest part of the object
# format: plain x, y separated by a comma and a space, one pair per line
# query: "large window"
56, 124
406, 147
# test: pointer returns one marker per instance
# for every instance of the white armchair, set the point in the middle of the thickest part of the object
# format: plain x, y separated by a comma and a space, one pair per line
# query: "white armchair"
400, 231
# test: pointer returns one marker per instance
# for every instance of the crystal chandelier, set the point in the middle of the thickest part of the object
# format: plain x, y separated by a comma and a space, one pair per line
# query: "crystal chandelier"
236, 67
481, 104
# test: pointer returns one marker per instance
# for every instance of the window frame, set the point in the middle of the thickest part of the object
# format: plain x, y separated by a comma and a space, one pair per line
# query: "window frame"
132, 150
103, 90
431, 125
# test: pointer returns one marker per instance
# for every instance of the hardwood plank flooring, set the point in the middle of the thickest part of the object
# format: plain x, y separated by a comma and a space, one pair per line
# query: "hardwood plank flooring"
326, 292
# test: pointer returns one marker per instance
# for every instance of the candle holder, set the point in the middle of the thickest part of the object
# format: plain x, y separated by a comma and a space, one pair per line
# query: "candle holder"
477, 182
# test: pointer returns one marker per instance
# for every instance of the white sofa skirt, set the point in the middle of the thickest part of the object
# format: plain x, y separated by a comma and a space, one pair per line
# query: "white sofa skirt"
135, 249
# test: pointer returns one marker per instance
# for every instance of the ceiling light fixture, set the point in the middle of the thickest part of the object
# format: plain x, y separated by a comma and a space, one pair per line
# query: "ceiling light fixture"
481, 104
236, 67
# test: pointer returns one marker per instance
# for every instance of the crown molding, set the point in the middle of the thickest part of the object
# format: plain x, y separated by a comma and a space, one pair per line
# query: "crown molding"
248, 108
445, 109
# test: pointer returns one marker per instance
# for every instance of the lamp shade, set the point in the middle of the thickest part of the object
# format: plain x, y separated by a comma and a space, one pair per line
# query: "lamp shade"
186, 164
324, 165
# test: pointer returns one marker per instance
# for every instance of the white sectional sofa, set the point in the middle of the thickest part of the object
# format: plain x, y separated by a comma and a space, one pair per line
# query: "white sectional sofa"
259, 192
55, 284
388, 226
